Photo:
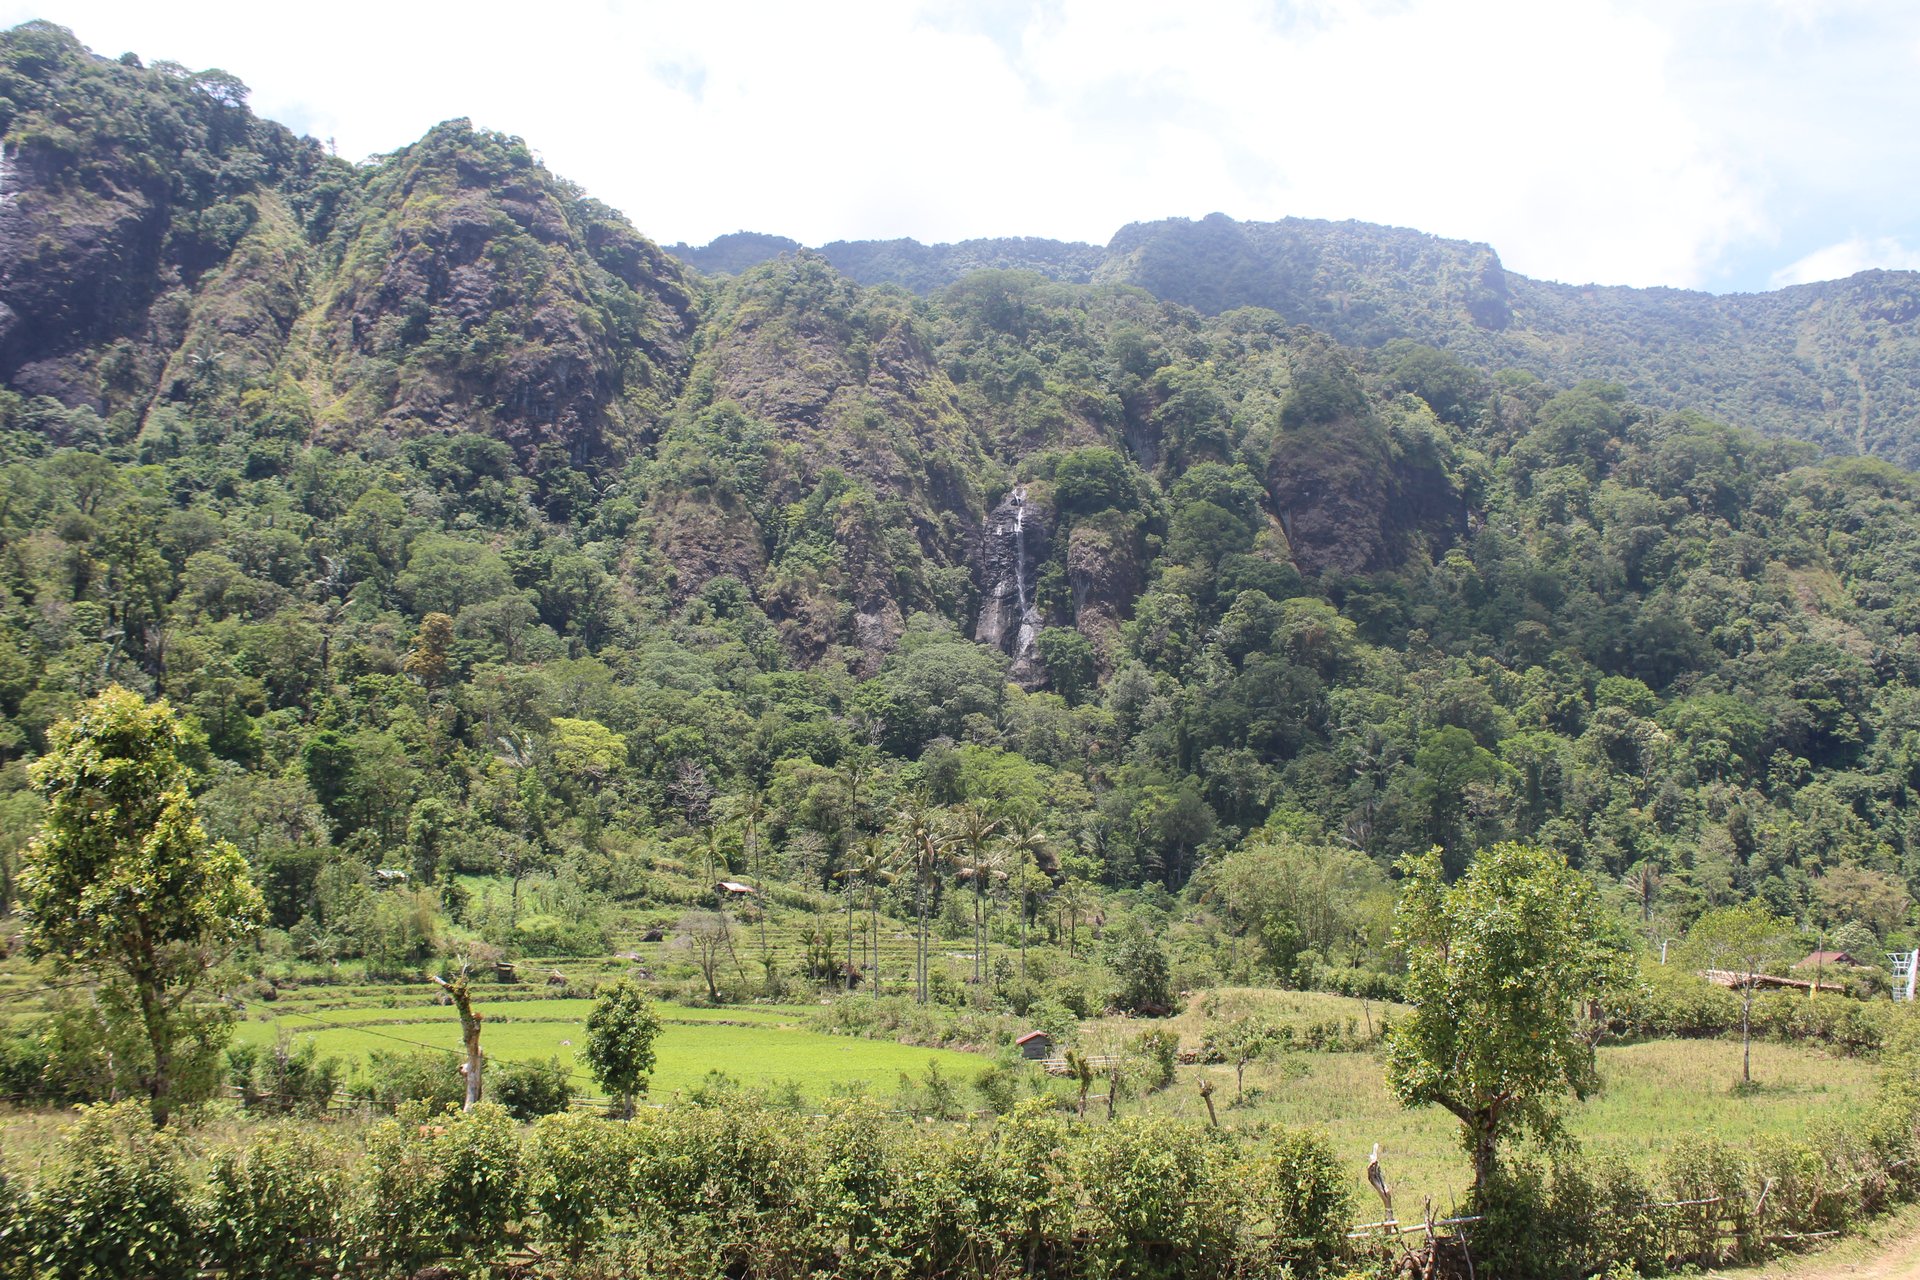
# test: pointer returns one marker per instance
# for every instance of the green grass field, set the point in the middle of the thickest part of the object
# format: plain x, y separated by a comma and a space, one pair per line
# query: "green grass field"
1655, 1094
755, 1046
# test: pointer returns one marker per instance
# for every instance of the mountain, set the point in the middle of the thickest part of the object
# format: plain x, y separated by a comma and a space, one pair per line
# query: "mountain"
472, 531
163, 249
1834, 363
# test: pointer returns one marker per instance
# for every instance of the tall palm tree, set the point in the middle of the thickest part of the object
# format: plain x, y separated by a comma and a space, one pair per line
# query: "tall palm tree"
977, 860
1025, 843
1073, 899
870, 865
750, 811
923, 845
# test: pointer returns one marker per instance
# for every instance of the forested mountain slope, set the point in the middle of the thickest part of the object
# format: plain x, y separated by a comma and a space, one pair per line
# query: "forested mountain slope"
1834, 363
475, 532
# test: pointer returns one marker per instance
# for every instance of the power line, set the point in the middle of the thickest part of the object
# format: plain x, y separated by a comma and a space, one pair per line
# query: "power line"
418, 1044
23, 992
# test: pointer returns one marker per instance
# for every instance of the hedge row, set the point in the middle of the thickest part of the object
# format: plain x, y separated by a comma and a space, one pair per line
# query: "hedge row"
1673, 1003
686, 1192
1709, 1202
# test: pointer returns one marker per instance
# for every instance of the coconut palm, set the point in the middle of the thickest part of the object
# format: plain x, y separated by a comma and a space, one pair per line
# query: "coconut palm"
750, 811
923, 843
1026, 846
869, 866
978, 861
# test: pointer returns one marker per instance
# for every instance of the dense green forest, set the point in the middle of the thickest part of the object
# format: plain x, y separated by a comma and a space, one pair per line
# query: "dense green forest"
1833, 362
476, 534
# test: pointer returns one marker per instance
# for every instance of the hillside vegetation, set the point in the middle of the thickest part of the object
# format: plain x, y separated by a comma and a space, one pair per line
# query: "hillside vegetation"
477, 535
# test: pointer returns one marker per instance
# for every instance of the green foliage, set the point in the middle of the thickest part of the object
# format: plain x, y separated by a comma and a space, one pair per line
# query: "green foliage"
620, 1035
1141, 972
114, 1201
529, 1089
278, 1207
123, 881
446, 1184
1501, 968
392, 1080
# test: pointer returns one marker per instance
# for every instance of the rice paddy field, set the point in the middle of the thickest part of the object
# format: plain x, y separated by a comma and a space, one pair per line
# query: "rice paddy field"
1655, 1093
756, 1046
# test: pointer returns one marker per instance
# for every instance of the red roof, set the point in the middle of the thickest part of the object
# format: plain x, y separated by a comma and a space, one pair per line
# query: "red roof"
1033, 1035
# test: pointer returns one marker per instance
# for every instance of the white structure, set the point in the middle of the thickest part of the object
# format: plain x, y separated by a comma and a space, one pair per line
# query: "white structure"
1906, 973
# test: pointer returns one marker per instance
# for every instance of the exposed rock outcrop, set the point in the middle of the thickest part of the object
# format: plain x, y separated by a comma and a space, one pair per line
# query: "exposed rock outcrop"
1106, 571
1012, 543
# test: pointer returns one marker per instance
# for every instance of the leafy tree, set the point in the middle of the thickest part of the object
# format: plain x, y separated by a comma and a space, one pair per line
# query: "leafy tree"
1072, 666
1502, 968
1744, 939
1140, 970
1243, 1042
620, 1035
123, 883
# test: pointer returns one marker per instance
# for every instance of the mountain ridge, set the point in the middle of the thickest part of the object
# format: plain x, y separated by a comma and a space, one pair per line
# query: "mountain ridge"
1781, 356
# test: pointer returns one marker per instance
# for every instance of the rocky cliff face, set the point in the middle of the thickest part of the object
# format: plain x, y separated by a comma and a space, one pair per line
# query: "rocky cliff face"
1012, 542
475, 294
124, 191
1106, 570
817, 411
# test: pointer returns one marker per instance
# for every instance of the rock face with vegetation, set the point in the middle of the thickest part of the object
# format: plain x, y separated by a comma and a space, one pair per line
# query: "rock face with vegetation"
1832, 363
470, 531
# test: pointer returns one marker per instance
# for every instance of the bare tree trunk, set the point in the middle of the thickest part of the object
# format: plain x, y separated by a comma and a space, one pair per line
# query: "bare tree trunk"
159, 1028
1746, 1033
469, 1032
920, 952
1023, 932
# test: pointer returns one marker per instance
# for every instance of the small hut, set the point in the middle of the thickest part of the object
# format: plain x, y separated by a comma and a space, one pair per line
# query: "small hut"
1037, 1045
1829, 960
733, 891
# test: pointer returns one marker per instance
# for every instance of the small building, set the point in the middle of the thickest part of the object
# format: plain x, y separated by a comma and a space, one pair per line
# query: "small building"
1037, 1045
1830, 960
390, 875
733, 890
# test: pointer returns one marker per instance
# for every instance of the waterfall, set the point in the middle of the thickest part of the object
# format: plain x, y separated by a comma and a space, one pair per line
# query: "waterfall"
1029, 614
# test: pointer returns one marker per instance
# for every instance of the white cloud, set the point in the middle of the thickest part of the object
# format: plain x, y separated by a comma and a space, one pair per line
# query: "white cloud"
1838, 261
1623, 141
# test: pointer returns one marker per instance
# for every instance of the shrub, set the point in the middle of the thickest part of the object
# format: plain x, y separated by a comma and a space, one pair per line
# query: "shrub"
583, 1176
529, 1090
1299, 1183
283, 1080
393, 1079
275, 1209
1165, 1205
545, 935
446, 1185
114, 1201
1158, 1050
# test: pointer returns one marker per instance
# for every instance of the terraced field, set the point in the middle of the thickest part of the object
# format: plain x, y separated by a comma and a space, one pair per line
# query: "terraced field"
758, 1046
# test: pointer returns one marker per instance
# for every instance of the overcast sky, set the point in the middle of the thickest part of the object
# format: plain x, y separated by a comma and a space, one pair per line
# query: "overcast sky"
1714, 144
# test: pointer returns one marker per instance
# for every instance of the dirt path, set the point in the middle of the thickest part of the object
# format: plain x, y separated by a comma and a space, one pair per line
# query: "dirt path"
1889, 1253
